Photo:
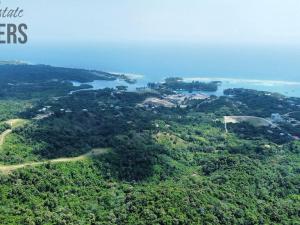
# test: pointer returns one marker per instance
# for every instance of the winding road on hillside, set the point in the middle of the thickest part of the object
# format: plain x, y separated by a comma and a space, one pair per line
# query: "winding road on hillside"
13, 123
3, 136
6, 169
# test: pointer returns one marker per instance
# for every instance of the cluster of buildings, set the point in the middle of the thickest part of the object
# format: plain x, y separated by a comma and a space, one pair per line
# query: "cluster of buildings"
46, 112
277, 118
170, 101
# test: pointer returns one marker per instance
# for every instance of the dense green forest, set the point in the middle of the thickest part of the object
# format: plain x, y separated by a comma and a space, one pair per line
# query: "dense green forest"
177, 165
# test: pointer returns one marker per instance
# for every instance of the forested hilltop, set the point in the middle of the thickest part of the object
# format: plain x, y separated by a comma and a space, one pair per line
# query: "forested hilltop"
152, 156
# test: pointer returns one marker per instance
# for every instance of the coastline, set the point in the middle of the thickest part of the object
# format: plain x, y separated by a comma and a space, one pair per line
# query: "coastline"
238, 80
287, 88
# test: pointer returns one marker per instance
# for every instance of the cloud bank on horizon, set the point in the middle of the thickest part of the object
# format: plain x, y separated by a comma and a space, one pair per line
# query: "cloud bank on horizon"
205, 21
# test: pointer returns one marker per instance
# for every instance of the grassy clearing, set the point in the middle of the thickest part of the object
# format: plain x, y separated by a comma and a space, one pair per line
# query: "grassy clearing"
14, 123
255, 121
170, 140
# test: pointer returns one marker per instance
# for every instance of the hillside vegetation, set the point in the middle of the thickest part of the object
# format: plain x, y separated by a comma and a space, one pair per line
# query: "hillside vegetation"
161, 165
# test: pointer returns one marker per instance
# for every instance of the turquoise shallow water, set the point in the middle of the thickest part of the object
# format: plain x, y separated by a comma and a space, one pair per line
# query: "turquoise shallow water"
238, 66
287, 88
291, 89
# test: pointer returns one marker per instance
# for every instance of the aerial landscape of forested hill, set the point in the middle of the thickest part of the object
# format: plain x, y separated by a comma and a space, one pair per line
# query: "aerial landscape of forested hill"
163, 154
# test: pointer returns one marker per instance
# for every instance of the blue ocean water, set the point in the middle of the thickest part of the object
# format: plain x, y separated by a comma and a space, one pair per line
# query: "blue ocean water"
255, 67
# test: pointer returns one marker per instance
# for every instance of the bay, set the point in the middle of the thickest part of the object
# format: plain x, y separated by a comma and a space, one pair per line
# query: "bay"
268, 68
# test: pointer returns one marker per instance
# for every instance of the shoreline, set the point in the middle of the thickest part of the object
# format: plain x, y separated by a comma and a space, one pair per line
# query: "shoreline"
286, 88
239, 80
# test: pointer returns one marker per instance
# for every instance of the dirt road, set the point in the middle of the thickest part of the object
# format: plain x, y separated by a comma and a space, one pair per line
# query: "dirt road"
6, 169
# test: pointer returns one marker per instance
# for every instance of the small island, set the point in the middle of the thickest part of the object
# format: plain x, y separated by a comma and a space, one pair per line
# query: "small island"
178, 84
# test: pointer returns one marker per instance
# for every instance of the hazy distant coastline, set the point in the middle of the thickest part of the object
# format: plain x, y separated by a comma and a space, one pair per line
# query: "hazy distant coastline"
236, 80
285, 87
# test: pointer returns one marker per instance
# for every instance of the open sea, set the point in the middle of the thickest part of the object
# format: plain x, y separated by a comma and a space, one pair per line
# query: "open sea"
268, 68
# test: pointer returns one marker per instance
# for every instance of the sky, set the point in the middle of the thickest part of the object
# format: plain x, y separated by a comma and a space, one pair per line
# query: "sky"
188, 21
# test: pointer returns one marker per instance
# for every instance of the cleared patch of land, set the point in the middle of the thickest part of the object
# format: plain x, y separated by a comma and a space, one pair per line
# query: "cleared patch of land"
157, 102
16, 122
255, 121
6, 169
170, 140
13, 123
